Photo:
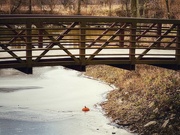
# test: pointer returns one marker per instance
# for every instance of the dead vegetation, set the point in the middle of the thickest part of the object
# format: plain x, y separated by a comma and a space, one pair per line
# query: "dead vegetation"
146, 100
123, 8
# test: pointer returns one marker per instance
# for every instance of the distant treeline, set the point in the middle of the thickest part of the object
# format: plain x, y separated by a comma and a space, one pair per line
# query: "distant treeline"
123, 8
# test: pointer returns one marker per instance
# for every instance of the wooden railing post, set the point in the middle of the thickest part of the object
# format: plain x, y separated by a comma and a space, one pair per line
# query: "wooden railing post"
40, 38
178, 47
82, 44
132, 50
121, 38
159, 30
28, 70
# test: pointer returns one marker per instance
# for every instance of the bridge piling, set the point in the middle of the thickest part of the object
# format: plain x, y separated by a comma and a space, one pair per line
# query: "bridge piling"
82, 43
28, 69
132, 50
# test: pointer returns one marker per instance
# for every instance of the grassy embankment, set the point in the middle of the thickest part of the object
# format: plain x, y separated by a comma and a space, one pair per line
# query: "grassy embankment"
146, 100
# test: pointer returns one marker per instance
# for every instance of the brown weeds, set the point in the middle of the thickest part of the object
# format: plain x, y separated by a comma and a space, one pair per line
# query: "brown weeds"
146, 100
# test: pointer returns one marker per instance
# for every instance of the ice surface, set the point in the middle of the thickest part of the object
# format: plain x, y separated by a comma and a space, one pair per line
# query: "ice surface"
52, 98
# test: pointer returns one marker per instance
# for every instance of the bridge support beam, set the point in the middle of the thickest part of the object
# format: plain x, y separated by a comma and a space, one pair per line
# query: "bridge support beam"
125, 66
76, 67
25, 70
167, 66
178, 48
28, 69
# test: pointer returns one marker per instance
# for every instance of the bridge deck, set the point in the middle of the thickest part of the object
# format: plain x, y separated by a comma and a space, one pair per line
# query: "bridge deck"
28, 41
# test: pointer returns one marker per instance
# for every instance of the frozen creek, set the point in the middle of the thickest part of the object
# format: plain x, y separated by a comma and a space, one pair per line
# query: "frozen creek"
49, 102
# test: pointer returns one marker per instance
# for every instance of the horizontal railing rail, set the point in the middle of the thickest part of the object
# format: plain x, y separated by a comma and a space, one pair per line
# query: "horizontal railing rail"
28, 41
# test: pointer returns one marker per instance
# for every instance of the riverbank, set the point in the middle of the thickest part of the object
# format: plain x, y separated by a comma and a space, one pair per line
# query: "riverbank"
147, 100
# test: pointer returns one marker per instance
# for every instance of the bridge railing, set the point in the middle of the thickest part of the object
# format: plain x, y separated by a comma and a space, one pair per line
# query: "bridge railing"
28, 41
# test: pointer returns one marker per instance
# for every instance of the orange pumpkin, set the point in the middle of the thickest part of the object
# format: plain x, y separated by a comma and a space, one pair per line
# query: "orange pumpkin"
85, 109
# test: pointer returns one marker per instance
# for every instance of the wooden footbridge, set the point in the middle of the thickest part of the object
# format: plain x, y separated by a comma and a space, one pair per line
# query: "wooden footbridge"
28, 41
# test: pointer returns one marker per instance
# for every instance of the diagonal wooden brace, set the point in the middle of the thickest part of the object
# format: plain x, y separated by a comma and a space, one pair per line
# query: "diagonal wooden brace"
56, 42
100, 36
106, 43
11, 53
17, 34
159, 39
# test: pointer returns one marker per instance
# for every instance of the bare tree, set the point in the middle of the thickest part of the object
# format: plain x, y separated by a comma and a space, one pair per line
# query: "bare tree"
134, 8
14, 5
65, 3
110, 7
126, 4
30, 6
79, 7
167, 7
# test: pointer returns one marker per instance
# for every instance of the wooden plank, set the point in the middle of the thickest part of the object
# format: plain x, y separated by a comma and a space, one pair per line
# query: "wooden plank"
12, 65
108, 62
57, 18
157, 61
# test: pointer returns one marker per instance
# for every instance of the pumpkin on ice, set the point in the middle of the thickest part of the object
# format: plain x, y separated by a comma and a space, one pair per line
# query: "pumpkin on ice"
85, 109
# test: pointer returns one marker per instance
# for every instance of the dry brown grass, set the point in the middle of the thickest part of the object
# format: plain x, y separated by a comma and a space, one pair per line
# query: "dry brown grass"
146, 94
94, 10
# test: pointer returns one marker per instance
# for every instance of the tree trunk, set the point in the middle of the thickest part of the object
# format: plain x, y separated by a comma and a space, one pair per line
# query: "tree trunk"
134, 8
168, 11
138, 8
110, 8
127, 10
79, 8
30, 7
14, 6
